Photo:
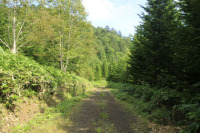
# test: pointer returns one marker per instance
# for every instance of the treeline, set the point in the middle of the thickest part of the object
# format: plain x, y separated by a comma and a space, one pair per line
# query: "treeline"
46, 45
165, 55
112, 51
57, 33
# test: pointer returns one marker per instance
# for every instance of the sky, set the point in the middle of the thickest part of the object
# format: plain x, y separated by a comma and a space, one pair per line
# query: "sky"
118, 14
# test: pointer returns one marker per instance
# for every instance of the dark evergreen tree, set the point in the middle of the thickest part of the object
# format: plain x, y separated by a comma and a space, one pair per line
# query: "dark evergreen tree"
187, 48
151, 55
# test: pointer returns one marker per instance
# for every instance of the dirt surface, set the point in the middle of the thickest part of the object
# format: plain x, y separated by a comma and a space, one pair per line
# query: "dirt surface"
100, 113
23, 112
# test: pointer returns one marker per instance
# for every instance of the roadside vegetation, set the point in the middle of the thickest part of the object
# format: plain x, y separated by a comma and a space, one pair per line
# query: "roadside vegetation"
23, 77
50, 53
54, 119
162, 106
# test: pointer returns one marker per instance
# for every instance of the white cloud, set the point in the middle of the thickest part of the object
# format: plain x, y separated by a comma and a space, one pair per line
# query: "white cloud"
99, 9
121, 16
104, 9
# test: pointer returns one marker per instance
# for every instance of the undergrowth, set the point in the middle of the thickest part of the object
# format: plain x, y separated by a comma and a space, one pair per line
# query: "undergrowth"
51, 119
163, 106
23, 77
101, 83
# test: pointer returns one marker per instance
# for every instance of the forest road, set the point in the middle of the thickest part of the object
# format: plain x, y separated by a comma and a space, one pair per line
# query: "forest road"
101, 113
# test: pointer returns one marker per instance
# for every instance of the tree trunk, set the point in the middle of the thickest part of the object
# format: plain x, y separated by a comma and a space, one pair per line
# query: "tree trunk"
14, 48
69, 38
66, 65
61, 54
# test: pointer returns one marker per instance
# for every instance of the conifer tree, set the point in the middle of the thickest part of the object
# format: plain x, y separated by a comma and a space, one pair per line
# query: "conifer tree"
187, 48
151, 53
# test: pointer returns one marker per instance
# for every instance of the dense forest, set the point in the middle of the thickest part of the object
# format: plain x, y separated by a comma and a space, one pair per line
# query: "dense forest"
46, 46
165, 56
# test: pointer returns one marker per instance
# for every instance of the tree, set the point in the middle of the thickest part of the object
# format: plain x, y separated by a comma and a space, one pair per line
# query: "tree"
119, 33
19, 27
107, 28
72, 30
151, 54
111, 49
3, 21
105, 69
187, 48
44, 40
99, 72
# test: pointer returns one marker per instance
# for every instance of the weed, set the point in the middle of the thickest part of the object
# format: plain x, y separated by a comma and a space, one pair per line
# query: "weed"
42, 109
104, 115
103, 105
98, 130
102, 94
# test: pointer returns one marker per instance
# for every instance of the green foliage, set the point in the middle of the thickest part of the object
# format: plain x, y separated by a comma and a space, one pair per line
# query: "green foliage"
192, 114
163, 106
161, 116
165, 55
101, 83
21, 76
29, 93
18, 74
60, 111
98, 72
112, 51
1, 50
151, 52
105, 69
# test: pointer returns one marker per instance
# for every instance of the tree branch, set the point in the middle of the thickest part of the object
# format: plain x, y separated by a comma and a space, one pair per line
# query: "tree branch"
9, 29
23, 44
23, 37
18, 34
6, 44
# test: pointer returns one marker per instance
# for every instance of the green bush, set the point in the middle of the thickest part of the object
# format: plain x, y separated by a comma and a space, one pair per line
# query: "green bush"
165, 97
21, 76
192, 112
19, 73
161, 116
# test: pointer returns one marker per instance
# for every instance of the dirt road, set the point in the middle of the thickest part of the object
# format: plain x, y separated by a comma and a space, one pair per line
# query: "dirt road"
100, 113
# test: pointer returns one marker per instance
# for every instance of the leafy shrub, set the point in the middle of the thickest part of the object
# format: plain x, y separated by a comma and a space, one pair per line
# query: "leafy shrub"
165, 97
122, 96
19, 73
21, 76
192, 112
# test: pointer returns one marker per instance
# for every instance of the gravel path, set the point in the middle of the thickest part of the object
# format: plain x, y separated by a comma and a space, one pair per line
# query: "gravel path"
100, 113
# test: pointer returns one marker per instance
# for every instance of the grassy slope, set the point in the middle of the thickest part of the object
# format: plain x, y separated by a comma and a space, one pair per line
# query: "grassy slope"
54, 119
23, 78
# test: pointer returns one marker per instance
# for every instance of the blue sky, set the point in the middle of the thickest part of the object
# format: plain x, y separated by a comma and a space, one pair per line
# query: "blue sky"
118, 14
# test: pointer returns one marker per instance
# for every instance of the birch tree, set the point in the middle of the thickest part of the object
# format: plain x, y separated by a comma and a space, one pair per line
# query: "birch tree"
18, 26
72, 24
